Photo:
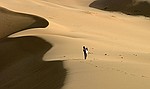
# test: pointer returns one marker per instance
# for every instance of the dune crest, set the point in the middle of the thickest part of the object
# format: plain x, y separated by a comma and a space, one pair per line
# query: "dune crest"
21, 65
118, 44
12, 22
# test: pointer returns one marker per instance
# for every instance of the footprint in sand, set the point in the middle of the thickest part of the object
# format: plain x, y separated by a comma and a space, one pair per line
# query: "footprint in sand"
125, 73
121, 57
113, 16
106, 54
135, 54
143, 76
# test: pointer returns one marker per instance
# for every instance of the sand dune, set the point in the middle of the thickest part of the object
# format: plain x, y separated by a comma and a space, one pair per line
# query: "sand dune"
130, 7
52, 57
21, 65
12, 22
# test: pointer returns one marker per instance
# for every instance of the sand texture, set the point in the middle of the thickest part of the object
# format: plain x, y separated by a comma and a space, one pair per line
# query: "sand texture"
41, 44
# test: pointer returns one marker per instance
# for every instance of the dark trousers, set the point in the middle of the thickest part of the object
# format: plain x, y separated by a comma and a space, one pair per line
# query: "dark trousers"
85, 55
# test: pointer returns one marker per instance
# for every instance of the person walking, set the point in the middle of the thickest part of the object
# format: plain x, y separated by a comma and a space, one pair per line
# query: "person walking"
85, 52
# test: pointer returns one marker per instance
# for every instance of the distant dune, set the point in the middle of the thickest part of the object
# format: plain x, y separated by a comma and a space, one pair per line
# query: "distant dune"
12, 22
130, 7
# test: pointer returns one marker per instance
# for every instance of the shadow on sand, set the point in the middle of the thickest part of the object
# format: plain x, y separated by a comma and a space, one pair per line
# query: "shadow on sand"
12, 22
129, 7
21, 65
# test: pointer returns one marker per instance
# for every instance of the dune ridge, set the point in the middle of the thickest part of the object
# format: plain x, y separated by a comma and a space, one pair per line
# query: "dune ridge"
21, 65
118, 48
12, 22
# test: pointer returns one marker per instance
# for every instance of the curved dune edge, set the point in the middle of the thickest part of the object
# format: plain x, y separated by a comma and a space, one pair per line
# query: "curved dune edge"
12, 22
114, 41
130, 7
21, 65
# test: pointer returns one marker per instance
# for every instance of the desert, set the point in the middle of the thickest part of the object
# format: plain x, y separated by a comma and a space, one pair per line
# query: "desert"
41, 44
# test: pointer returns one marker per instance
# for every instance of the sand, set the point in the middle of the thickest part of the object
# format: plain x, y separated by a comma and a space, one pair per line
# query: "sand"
12, 22
130, 7
21, 65
46, 52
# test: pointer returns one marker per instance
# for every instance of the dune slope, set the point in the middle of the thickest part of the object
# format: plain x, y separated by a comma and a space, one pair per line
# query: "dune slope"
118, 45
12, 22
21, 65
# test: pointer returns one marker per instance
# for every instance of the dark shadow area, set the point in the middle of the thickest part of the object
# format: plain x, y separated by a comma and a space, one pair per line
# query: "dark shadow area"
39, 21
12, 22
129, 7
21, 65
